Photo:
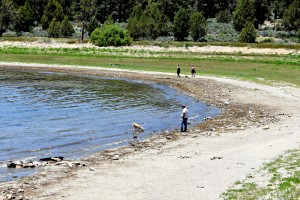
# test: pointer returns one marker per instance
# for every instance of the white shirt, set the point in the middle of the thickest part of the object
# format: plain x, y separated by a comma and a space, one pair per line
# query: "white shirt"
185, 113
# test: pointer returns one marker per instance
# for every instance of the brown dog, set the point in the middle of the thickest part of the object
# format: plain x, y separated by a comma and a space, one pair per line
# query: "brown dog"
137, 127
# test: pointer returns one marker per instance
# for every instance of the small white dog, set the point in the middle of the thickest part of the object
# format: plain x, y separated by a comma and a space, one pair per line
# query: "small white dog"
137, 127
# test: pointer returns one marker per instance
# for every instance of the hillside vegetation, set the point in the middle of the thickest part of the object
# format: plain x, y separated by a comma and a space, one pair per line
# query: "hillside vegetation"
155, 20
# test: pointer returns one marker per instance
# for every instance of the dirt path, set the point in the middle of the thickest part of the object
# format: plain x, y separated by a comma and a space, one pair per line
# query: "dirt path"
199, 165
203, 49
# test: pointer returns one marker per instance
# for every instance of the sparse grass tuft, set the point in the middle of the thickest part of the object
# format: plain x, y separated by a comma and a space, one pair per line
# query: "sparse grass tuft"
275, 180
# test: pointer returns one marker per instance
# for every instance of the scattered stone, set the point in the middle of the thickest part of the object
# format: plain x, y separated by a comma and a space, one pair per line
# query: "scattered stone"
23, 164
240, 163
216, 158
169, 137
266, 127
115, 157
70, 164
207, 118
11, 165
9, 196
226, 102
78, 164
92, 169
183, 157
56, 159
28, 165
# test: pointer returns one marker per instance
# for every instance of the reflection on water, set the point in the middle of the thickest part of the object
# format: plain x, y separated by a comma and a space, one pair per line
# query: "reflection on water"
52, 114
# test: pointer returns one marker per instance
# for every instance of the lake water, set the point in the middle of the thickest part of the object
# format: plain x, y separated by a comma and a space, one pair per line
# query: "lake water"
55, 114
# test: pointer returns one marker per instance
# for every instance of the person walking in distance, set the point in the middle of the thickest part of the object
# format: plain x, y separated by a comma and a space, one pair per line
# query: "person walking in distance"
193, 71
184, 116
178, 71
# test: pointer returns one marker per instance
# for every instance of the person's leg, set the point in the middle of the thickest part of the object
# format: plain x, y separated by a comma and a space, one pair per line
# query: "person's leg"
185, 124
182, 123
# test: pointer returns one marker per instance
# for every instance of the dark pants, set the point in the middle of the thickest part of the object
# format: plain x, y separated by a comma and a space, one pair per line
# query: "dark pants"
184, 124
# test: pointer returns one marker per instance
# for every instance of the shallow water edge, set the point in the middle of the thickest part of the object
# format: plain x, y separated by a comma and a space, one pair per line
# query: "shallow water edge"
142, 137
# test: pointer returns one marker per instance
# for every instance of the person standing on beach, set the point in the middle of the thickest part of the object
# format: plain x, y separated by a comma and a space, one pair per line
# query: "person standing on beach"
184, 116
178, 71
193, 71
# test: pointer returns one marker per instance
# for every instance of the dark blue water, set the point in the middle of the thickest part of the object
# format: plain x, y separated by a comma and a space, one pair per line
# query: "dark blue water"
52, 114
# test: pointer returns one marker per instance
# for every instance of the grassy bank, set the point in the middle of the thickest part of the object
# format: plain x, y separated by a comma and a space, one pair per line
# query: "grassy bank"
278, 179
254, 67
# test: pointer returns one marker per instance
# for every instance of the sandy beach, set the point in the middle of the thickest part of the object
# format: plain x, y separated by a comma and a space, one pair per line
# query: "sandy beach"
257, 123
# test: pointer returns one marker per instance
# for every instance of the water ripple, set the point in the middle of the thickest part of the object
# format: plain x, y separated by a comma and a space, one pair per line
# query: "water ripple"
53, 114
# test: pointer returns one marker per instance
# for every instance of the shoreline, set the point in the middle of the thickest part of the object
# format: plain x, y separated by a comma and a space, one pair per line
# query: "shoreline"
125, 141
243, 111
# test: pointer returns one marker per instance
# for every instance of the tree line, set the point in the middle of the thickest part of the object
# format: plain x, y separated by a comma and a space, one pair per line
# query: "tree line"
144, 18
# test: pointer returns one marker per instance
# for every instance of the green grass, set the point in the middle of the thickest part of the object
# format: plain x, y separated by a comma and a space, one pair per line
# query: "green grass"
265, 69
275, 180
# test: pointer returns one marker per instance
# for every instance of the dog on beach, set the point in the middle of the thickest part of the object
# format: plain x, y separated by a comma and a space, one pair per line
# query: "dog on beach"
137, 127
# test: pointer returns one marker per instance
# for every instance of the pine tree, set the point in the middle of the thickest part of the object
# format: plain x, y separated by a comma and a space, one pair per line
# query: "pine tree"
155, 21
244, 12
53, 10
7, 15
93, 24
262, 11
66, 28
54, 28
248, 33
181, 25
198, 26
84, 11
135, 24
291, 16
224, 16
25, 17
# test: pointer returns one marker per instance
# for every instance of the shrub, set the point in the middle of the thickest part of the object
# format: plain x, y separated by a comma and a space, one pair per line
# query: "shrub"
267, 40
267, 33
9, 34
220, 32
110, 35
284, 34
39, 32
248, 33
